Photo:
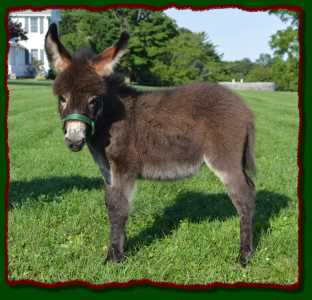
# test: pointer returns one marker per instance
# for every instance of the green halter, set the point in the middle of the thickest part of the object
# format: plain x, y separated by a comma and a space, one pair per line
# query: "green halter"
81, 118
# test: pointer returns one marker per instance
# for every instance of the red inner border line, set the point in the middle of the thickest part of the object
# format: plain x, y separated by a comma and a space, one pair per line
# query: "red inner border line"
89, 285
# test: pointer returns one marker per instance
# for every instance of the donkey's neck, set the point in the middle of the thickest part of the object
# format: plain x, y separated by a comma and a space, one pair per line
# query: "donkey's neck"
118, 105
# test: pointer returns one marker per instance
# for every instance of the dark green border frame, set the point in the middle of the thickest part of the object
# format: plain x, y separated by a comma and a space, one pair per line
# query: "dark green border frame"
22, 291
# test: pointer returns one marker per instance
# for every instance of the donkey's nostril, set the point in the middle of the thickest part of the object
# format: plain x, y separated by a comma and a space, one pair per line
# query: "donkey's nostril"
75, 145
74, 140
81, 143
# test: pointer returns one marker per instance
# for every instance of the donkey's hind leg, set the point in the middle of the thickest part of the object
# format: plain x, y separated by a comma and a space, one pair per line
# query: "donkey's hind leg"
242, 193
117, 201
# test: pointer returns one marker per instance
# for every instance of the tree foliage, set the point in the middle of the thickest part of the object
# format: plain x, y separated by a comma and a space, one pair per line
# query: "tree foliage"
80, 28
16, 31
186, 59
229, 70
285, 74
260, 73
285, 45
148, 47
160, 52
286, 16
264, 59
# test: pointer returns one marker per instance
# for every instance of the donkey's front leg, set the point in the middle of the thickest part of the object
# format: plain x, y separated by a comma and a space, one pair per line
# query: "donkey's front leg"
117, 203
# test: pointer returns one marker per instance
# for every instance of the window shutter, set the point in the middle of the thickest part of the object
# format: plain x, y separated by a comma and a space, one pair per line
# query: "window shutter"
41, 56
13, 55
34, 24
26, 57
41, 24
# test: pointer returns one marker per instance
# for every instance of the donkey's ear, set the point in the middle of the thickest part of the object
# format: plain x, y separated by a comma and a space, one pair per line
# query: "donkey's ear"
104, 63
57, 55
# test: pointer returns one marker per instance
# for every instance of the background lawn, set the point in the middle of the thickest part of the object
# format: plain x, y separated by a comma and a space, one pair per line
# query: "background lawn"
184, 232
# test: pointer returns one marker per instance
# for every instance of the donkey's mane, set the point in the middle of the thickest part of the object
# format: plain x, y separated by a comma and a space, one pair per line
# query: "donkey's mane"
83, 55
117, 85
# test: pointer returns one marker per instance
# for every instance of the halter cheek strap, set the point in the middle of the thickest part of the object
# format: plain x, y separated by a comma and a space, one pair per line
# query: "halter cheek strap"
82, 118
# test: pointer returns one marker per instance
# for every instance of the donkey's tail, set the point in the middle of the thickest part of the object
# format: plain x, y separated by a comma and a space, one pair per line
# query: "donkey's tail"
248, 161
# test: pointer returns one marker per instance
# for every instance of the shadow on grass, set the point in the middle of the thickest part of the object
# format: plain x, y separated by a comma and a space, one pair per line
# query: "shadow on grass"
48, 189
191, 206
196, 207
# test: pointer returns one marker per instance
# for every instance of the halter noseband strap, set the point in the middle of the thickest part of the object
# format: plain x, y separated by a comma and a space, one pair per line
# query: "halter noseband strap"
82, 118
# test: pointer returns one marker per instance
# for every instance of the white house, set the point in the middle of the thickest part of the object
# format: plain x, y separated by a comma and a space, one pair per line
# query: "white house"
21, 53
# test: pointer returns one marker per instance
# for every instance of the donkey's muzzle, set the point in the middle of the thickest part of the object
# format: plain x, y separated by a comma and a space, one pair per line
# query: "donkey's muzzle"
75, 135
75, 145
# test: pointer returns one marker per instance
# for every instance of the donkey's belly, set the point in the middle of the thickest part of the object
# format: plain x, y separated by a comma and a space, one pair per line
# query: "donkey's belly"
170, 170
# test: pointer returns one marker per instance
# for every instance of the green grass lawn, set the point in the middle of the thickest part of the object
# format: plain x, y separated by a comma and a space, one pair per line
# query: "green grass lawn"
184, 232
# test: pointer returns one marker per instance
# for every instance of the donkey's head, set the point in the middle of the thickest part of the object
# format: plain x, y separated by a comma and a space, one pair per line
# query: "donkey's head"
80, 85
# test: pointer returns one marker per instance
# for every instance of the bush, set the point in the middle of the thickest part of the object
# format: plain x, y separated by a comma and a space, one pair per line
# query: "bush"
260, 73
51, 74
285, 74
40, 76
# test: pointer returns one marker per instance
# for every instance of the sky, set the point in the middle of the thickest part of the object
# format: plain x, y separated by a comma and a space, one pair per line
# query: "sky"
237, 33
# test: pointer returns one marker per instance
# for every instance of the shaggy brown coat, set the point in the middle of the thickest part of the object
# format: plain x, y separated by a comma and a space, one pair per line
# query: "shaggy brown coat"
161, 135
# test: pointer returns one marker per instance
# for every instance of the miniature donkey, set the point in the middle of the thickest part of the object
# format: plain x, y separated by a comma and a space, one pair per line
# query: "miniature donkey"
160, 135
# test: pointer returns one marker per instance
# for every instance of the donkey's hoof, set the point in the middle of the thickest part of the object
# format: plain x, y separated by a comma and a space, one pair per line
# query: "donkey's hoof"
113, 255
244, 259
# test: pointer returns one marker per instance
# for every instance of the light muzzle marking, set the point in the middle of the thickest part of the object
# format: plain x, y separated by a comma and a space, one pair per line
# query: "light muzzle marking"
82, 118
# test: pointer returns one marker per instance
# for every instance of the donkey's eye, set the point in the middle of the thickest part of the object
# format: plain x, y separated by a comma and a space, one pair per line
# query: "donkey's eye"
62, 100
92, 102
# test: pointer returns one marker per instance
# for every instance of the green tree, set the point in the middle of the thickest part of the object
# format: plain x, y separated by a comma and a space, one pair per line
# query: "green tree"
80, 28
187, 58
15, 30
264, 59
285, 45
286, 16
285, 74
261, 69
150, 32
148, 47
260, 73
217, 71
235, 69
241, 68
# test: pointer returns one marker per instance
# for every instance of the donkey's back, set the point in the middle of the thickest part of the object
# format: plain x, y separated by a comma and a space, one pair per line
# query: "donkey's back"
176, 130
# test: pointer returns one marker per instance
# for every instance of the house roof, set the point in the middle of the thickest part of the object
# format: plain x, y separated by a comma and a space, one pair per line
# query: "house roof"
30, 12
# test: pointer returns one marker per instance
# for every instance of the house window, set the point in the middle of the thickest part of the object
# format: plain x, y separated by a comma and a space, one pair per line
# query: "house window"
41, 24
34, 54
27, 24
33, 24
